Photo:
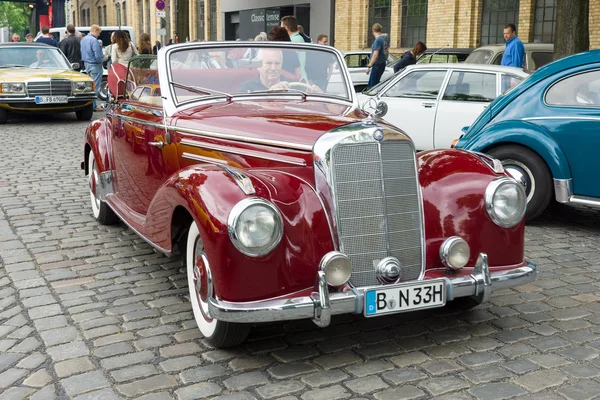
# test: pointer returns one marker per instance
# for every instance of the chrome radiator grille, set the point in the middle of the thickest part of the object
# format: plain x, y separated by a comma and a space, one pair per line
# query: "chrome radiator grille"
377, 206
52, 87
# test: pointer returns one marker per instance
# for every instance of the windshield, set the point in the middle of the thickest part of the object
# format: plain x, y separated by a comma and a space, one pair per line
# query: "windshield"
32, 57
372, 91
479, 57
198, 71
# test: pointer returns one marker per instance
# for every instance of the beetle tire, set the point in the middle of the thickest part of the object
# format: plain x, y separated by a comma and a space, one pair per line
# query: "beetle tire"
540, 174
101, 211
217, 333
85, 114
3, 116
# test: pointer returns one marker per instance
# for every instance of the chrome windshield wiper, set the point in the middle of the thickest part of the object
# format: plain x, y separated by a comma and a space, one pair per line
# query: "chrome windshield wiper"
13, 66
304, 94
201, 90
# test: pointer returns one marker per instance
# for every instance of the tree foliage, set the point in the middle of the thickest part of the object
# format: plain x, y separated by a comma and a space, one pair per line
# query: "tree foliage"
15, 16
572, 27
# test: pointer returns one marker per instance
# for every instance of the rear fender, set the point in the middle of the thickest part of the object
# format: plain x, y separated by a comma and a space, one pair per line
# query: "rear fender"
526, 134
97, 139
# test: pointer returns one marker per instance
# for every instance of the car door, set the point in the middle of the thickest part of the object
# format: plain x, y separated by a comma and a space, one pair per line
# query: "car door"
140, 145
465, 96
357, 67
412, 102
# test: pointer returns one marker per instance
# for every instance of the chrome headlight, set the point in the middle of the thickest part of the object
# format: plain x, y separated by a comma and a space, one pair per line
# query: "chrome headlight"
455, 252
82, 86
505, 202
337, 268
255, 226
11, 87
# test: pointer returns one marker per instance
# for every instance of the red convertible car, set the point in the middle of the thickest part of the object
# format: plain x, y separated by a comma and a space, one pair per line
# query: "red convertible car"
287, 200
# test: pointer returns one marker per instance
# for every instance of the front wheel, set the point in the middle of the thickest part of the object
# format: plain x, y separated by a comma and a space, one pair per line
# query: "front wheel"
528, 168
217, 333
86, 113
102, 212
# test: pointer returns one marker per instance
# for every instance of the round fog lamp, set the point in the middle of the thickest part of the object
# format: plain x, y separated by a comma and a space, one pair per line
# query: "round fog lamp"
337, 268
455, 252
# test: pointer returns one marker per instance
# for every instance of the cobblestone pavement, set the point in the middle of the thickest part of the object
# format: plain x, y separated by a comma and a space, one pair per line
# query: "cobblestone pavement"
92, 312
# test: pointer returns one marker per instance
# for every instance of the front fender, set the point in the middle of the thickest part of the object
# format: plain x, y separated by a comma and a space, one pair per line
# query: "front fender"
526, 134
453, 184
209, 193
97, 136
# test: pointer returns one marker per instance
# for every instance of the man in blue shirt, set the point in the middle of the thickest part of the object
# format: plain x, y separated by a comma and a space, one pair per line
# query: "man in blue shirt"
92, 56
376, 65
514, 55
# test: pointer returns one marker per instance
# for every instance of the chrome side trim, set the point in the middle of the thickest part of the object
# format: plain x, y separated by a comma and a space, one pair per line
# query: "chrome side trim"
324, 304
240, 179
250, 153
568, 118
562, 190
140, 121
585, 200
209, 160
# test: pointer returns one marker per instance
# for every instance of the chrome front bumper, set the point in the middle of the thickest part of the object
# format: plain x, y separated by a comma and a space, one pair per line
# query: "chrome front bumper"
321, 305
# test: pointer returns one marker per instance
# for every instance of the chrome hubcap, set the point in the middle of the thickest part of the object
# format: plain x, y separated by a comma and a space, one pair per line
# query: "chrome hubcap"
522, 174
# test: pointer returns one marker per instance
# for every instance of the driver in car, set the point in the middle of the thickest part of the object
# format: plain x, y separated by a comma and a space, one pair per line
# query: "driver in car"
42, 59
269, 75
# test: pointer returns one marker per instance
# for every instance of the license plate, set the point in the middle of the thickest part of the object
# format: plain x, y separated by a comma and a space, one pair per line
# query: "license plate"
50, 99
405, 297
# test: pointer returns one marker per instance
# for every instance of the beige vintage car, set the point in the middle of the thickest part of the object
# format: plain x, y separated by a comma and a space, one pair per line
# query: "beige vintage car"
536, 55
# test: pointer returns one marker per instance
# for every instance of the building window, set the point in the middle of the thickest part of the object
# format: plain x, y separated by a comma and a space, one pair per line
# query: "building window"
544, 24
213, 20
414, 22
99, 15
494, 17
379, 13
105, 19
74, 22
88, 17
200, 20
124, 13
82, 17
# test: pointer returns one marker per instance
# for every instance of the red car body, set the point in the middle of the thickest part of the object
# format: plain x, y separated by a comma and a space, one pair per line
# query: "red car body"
187, 173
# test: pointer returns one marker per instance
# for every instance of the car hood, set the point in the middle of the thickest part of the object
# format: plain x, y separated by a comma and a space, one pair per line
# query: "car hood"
23, 74
294, 122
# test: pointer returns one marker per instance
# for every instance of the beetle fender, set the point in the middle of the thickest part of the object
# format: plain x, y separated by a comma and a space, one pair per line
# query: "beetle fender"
453, 185
526, 134
209, 193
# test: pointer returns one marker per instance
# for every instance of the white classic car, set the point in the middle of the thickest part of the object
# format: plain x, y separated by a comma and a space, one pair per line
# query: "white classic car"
357, 62
433, 102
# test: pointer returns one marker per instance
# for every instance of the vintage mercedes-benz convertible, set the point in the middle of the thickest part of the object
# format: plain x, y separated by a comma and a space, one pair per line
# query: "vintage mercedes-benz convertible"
287, 200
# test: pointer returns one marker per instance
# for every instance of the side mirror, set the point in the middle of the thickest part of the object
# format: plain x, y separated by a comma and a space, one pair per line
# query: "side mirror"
382, 109
75, 66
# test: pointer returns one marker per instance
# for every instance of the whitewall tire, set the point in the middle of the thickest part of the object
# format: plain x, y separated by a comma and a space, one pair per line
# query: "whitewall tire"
101, 211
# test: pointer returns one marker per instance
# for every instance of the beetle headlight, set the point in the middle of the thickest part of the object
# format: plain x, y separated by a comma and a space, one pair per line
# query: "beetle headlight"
83, 86
505, 202
255, 226
11, 87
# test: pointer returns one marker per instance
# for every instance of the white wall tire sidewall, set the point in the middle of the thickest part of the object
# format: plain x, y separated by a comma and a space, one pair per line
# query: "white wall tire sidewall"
93, 200
206, 328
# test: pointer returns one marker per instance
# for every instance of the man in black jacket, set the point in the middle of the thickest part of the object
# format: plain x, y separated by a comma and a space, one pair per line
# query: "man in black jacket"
71, 46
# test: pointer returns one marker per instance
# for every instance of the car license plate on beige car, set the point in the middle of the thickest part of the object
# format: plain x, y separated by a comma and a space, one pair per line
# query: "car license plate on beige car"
405, 297
50, 99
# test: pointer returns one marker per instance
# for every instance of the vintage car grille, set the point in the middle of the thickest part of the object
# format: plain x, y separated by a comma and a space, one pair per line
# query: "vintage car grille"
377, 203
52, 87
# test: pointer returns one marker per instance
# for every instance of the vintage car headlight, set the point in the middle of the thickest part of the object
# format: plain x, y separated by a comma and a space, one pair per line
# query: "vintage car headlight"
337, 267
255, 226
505, 202
83, 86
13, 87
455, 252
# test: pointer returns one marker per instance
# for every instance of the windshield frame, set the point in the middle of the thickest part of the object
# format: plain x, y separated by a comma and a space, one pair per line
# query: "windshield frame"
37, 47
166, 75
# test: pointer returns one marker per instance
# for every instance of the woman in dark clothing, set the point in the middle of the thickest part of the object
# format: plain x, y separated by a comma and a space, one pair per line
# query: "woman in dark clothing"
410, 57
145, 46
291, 62
156, 47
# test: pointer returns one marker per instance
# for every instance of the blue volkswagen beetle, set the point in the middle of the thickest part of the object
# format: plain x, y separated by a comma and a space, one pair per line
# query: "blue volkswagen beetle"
546, 133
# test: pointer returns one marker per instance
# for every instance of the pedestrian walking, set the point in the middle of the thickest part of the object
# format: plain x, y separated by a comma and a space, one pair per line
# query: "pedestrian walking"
291, 62
29, 38
410, 57
107, 50
123, 50
145, 46
306, 38
71, 46
47, 37
91, 54
290, 24
514, 54
376, 65
15, 37
170, 42
157, 46
319, 65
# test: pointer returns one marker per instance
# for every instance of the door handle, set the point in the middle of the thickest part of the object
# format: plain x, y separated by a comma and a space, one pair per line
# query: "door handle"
157, 144
428, 105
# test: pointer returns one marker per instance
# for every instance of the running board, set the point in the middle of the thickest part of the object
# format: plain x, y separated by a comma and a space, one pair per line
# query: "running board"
564, 194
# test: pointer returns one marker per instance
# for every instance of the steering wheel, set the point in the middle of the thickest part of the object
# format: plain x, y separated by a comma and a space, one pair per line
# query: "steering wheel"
300, 86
